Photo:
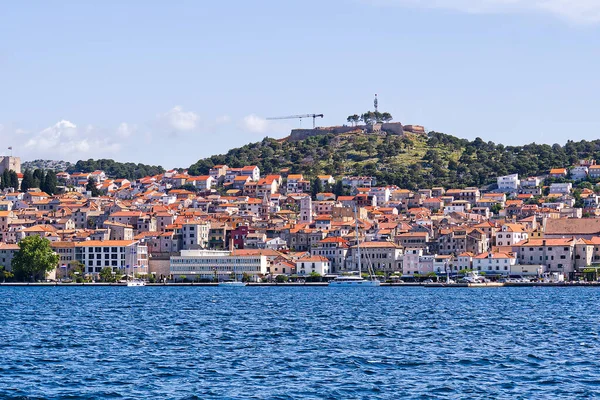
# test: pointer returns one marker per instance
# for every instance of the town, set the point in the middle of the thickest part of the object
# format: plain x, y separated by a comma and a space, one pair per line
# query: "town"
238, 223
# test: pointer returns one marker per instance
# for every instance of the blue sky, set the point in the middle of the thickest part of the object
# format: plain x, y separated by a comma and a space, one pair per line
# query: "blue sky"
171, 82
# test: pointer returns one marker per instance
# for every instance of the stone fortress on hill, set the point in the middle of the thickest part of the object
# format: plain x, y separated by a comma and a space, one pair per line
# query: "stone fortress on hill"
393, 128
10, 163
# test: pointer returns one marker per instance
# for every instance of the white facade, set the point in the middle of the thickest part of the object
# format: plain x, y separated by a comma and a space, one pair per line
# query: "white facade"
508, 182
116, 254
561, 188
208, 264
194, 235
316, 264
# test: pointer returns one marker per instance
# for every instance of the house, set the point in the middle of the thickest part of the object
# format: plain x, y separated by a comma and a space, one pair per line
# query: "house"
334, 249
561, 188
579, 173
510, 234
594, 171
508, 183
202, 183
494, 263
312, 264
326, 180
252, 171
293, 183
558, 173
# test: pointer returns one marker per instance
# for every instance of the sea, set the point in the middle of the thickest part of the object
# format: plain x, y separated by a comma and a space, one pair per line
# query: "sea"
299, 343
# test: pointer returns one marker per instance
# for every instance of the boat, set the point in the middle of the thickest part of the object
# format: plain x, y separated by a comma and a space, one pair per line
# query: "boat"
135, 282
356, 280
232, 283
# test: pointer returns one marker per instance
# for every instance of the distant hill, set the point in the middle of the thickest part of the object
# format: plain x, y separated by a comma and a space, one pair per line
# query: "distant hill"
409, 161
116, 169
46, 164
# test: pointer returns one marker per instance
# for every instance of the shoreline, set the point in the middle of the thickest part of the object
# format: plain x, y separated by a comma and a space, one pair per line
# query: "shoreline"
315, 284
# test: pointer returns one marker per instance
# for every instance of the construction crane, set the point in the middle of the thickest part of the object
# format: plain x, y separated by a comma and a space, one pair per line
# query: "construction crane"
314, 116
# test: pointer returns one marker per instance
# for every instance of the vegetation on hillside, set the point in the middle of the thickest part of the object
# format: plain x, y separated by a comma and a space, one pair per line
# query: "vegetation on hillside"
409, 161
115, 169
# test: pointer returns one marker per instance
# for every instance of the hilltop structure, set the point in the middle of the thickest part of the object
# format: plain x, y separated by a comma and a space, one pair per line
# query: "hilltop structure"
10, 163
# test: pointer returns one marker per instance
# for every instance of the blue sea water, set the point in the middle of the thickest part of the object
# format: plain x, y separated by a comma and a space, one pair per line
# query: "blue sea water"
288, 343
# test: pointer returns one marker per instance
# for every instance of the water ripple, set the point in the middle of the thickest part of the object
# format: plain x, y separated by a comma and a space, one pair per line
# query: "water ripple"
288, 343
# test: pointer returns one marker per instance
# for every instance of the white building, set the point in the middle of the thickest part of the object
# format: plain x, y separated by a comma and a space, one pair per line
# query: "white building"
561, 188
511, 234
508, 182
194, 234
310, 264
579, 173
211, 264
125, 255
494, 263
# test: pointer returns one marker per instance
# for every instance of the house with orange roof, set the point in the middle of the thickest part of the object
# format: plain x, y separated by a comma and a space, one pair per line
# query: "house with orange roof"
498, 263
312, 265
558, 173
511, 234
251, 171
202, 183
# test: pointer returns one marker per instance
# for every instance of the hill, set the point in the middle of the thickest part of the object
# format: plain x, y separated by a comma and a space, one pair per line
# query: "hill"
409, 161
55, 165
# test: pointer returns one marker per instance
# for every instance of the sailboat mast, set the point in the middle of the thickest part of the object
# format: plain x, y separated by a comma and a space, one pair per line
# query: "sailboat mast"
357, 241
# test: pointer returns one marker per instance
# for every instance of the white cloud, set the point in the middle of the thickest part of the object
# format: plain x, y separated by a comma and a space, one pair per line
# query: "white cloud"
255, 124
64, 139
582, 11
180, 120
125, 130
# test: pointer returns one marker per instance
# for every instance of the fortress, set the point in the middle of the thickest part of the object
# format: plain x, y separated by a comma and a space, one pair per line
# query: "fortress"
10, 163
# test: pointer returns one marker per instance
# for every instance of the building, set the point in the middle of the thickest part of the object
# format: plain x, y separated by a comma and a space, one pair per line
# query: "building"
494, 263
129, 256
335, 249
382, 256
217, 265
312, 264
10, 163
511, 234
508, 183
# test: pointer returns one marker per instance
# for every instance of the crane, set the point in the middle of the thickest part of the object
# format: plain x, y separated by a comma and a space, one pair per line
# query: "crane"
314, 116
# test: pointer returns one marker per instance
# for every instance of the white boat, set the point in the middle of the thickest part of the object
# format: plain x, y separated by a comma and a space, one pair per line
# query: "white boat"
232, 283
355, 280
136, 282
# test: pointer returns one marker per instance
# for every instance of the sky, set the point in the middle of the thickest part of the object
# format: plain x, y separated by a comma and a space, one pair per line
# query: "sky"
170, 82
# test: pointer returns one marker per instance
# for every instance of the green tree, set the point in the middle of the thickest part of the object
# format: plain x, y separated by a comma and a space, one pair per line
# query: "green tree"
5, 180
38, 177
34, 259
386, 117
91, 187
28, 181
317, 187
106, 274
281, 278
50, 182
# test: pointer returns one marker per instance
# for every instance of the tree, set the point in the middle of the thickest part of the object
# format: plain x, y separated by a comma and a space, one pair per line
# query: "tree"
38, 177
386, 117
281, 278
28, 181
5, 180
50, 182
106, 274
14, 180
317, 187
91, 187
34, 259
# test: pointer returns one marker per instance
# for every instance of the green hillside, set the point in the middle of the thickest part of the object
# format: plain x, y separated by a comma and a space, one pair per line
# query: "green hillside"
412, 161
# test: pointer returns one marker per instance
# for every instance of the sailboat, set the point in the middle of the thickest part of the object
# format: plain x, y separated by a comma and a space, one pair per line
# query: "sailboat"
355, 280
135, 282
